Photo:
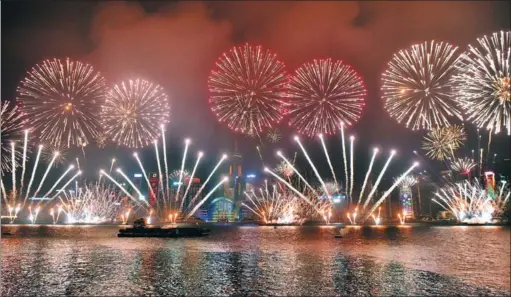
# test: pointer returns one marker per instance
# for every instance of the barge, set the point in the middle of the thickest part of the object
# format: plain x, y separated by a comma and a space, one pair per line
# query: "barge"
140, 229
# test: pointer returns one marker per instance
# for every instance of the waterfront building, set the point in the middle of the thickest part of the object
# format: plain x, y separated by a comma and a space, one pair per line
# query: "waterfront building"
227, 205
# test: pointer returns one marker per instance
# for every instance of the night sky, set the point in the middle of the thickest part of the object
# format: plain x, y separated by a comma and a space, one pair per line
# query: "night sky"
177, 44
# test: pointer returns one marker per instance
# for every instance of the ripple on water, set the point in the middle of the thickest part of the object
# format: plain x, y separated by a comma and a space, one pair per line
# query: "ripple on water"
49, 261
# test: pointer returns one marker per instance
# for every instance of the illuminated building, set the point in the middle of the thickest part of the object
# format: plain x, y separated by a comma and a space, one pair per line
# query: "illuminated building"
154, 181
227, 207
192, 192
405, 196
489, 177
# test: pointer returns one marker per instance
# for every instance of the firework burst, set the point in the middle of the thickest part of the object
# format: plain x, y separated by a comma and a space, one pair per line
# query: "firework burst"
483, 82
12, 123
441, 143
471, 203
165, 203
417, 86
91, 204
462, 165
327, 190
273, 136
408, 181
62, 100
101, 139
284, 169
25, 187
48, 154
322, 94
247, 89
176, 174
134, 111
278, 204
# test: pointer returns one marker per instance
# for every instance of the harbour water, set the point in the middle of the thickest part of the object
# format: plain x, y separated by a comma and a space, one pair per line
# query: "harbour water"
254, 260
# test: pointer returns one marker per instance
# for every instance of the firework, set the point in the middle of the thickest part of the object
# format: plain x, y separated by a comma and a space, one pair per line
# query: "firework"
12, 123
20, 193
408, 181
49, 153
101, 139
273, 206
440, 143
327, 190
170, 204
462, 165
471, 203
178, 174
62, 99
322, 94
280, 204
483, 82
273, 136
284, 169
417, 86
134, 111
247, 89
91, 204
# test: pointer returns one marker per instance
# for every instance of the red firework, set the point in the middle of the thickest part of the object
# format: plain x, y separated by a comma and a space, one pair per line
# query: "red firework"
247, 89
322, 94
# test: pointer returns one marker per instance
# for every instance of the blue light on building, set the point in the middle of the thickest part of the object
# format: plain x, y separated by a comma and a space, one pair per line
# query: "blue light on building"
335, 198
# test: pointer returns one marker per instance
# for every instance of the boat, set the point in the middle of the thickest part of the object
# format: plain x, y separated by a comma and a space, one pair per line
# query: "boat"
140, 229
172, 232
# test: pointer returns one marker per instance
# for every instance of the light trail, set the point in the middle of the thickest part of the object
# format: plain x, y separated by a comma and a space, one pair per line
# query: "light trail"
183, 162
375, 151
224, 156
328, 158
59, 180
313, 167
373, 190
387, 193
352, 168
55, 155
279, 153
199, 156
33, 173
164, 141
344, 157
206, 198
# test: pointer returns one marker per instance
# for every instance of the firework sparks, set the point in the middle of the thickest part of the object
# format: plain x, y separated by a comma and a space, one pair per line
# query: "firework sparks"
322, 94
62, 100
441, 143
284, 169
12, 122
417, 86
134, 111
101, 139
176, 174
463, 165
91, 204
168, 204
408, 181
247, 89
279, 205
471, 203
327, 189
16, 197
483, 82
273, 136
49, 154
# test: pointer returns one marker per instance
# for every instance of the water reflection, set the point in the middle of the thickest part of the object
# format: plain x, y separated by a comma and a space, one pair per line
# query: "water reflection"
48, 261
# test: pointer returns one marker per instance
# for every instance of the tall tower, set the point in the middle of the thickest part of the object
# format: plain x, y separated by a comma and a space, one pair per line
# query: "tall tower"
236, 186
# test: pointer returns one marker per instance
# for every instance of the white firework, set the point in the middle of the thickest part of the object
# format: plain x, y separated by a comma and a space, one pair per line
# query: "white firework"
483, 82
